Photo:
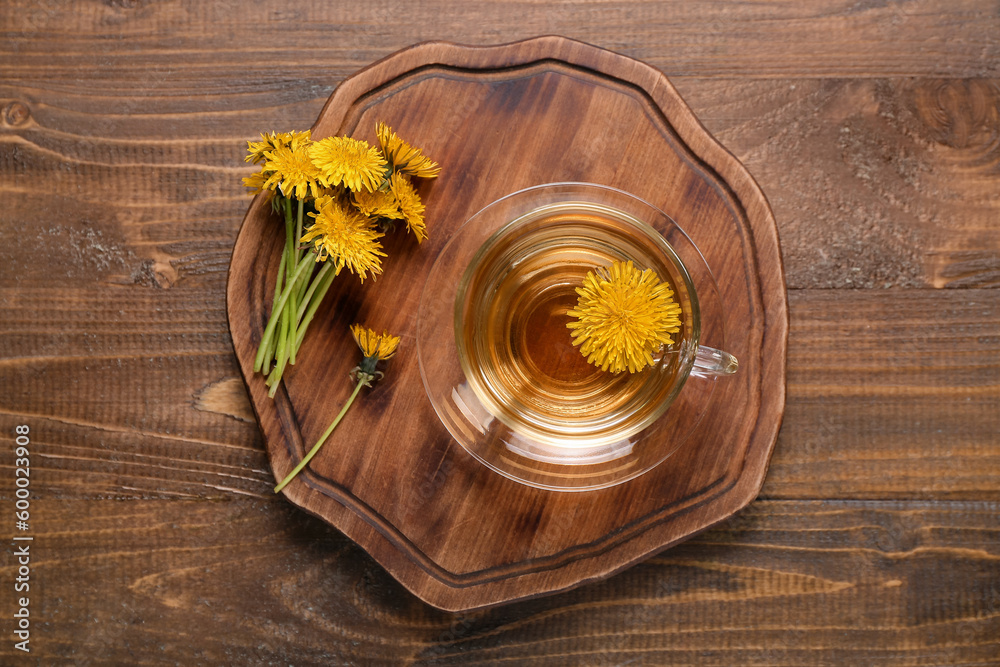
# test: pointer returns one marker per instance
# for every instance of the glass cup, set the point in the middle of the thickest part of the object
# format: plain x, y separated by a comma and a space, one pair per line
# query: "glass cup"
498, 361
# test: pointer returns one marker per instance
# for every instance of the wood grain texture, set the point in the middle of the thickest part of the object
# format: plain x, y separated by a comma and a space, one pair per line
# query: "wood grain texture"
912, 416
492, 117
891, 393
880, 183
314, 40
868, 125
784, 583
895, 176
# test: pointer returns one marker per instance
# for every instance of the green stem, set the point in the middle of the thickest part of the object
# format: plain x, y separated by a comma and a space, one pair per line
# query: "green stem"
303, 249
298, 222
290, 248
279, 306
288, 321
293, 303
316, 286
281, 355
287, 266
305, 317
329, 430
280, 280
275, 377
272, 349
289, 235
264, 361
286, 339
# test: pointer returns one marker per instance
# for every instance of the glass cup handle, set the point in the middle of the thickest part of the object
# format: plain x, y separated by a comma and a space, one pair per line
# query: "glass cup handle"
711, 363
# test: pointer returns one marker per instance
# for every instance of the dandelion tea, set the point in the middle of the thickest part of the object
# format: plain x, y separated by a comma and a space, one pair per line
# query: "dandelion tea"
514, 345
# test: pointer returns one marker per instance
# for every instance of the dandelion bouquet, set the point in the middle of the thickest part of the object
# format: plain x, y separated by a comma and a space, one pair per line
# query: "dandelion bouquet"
337, 196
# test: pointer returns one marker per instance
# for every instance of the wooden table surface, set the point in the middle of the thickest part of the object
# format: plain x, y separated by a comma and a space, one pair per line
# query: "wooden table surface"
874, 129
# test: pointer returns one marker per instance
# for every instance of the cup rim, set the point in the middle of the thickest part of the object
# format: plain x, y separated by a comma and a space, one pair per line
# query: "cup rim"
686, 348
436, 345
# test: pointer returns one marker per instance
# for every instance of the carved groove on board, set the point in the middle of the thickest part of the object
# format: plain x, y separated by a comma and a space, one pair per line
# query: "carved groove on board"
531, 566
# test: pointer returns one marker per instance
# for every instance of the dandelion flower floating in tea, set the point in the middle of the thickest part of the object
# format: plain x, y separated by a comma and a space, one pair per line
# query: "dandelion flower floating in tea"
622, 316
375, 347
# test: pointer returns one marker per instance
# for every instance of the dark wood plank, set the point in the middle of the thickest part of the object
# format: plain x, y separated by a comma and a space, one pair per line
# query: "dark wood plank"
131, 393
891, 394
874, 183
911, 414
309, 40
784, 583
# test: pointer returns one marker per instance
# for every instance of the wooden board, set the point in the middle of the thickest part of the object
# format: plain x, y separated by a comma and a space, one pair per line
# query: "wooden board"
391, 478
499, 119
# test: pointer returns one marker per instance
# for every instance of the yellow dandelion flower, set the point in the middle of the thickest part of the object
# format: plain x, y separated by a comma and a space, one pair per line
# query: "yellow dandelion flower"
349, 161
372, 344
256, 150
255, 181
410, 205
346, 236
292, 172
623, 316
376, 347
404, 157
379, 204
